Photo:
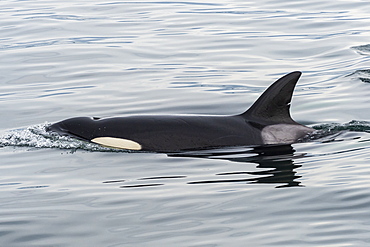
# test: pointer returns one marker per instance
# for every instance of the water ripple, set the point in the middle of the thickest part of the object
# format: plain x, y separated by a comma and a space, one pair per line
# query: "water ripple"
110, 58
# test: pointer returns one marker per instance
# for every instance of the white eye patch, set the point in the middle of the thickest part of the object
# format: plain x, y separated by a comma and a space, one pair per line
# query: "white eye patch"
114, 142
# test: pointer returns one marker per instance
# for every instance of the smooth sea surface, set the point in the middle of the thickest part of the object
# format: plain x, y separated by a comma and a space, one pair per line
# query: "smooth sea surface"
115, 58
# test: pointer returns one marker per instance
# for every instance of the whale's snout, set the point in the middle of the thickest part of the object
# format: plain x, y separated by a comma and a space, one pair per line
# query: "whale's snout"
57, 128
81, 128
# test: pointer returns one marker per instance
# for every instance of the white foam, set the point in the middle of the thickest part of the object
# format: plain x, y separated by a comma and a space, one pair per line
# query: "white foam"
36, 136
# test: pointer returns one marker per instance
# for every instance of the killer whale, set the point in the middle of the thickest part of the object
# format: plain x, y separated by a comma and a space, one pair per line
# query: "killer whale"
266, 122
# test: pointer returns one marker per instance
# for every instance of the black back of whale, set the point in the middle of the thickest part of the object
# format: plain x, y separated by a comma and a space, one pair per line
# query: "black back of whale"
267, 119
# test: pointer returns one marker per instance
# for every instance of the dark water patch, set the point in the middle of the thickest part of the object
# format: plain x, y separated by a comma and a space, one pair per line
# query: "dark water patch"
140, 185
133, 184
33, 187
363, 75
332, 131
164, 177
114, 181
362, 49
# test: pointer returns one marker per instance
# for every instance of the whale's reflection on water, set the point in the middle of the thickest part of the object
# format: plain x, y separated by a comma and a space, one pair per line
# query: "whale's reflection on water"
275, 165
275, 161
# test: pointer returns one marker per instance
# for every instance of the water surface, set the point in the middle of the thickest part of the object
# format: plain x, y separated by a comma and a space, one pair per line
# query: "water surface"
104, 58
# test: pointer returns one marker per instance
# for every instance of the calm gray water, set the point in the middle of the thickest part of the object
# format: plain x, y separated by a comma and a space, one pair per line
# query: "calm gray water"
103, 58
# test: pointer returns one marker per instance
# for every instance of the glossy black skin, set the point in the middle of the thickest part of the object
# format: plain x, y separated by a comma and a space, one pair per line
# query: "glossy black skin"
175, 133
165, 133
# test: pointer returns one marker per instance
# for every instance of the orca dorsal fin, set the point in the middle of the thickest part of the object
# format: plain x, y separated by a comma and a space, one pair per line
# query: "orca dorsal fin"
273, 105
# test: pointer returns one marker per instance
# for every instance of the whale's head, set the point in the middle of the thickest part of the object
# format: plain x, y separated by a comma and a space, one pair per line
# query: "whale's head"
80, 127
88, 129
